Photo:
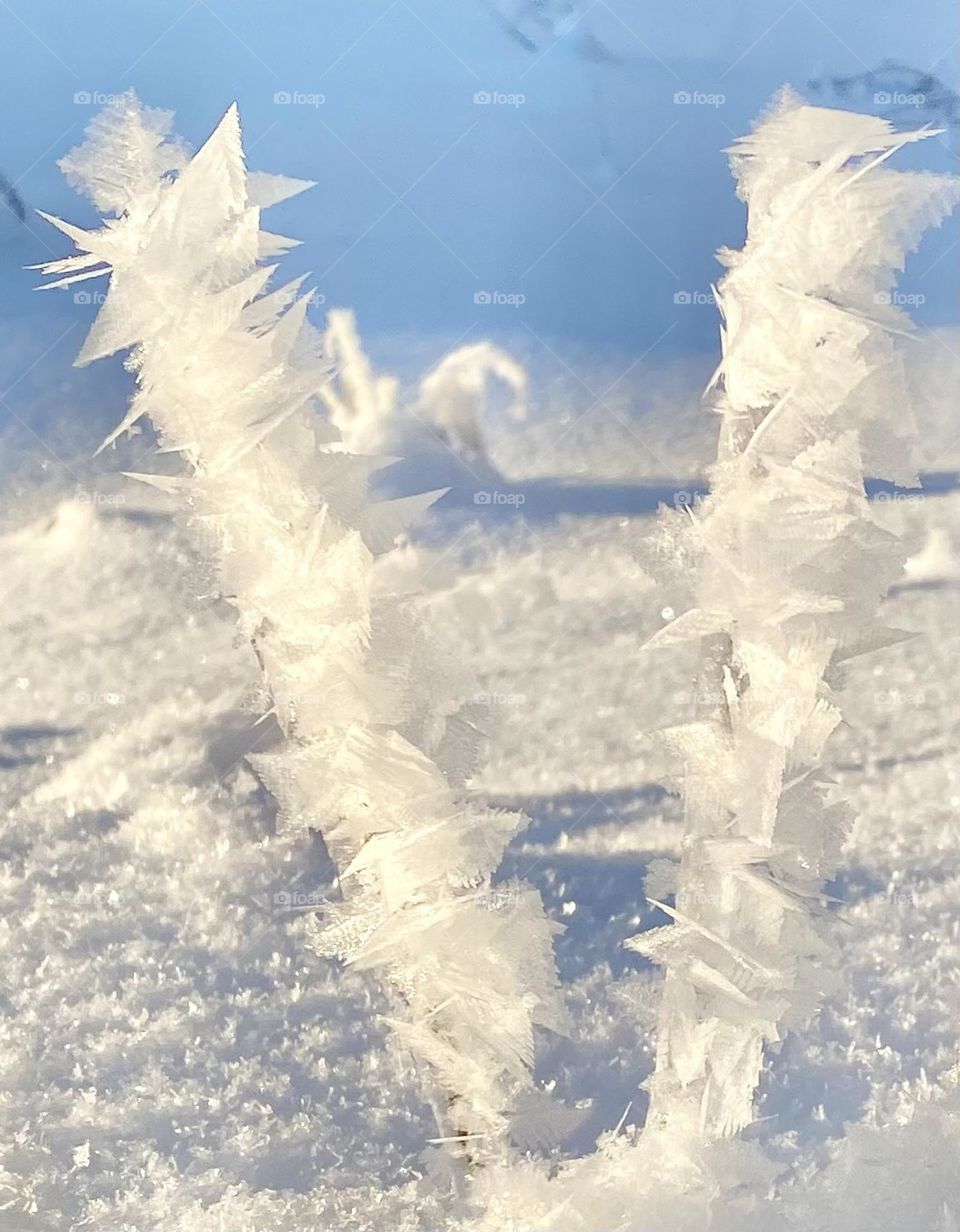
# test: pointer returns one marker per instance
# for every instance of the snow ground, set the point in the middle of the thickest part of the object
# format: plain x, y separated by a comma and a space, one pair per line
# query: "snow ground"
174, 1057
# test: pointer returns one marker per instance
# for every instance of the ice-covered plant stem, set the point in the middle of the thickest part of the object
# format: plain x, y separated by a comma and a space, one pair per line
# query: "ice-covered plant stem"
229, 371
791, 569
447, 409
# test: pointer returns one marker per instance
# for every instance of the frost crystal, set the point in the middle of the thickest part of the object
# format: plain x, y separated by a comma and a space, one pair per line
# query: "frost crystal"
792, 571
228, 369
448, 406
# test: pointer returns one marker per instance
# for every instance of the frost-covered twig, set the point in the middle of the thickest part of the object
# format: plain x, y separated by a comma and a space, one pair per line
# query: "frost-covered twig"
792, 569
228, 371
452, 395
361, 405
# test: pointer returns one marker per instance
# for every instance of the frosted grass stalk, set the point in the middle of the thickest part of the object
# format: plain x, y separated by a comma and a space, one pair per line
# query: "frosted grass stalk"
229, 370
791, 570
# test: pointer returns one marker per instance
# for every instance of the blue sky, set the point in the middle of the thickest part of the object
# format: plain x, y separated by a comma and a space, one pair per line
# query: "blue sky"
583, 186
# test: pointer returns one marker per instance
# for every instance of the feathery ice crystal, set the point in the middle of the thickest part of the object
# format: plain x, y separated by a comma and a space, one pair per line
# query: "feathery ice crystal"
792, 570
447, 408
228, 371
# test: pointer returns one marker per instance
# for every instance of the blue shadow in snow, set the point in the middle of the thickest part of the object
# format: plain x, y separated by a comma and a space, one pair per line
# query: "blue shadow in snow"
492, 496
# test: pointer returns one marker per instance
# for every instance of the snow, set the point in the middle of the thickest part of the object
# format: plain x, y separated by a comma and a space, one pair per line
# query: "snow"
176, 1052
162, 1008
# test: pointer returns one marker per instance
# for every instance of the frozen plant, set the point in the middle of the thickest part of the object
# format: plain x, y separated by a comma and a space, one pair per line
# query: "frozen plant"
361, 405
453, 394
791, 571
448, 406
229, 372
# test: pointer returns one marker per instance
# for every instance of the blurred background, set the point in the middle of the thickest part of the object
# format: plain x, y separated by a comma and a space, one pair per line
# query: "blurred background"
547, 174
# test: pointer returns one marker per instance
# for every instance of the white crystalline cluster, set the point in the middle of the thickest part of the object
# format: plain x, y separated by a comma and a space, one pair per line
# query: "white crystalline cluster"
228, 371
448, 406
792, 571
453, 393
361, 405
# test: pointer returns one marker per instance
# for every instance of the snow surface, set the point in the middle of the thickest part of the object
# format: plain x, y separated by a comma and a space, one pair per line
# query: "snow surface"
175, 1054
175, 1057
